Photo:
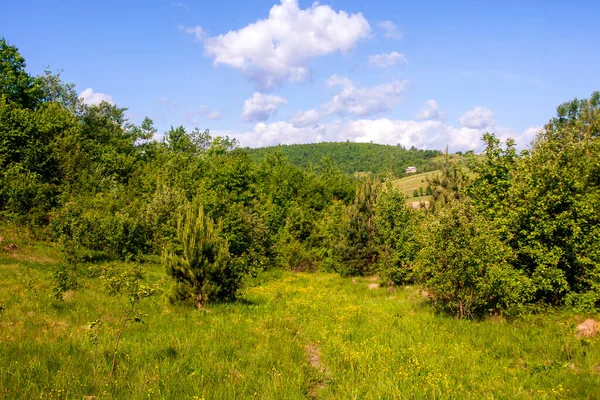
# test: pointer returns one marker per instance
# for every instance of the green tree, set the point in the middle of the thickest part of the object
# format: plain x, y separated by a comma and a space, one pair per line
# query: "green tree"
16, 85
201, 265
359, 249
394, 227
465, 266
553, 223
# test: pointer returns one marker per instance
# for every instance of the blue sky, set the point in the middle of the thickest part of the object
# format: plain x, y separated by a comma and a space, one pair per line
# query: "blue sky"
266, 72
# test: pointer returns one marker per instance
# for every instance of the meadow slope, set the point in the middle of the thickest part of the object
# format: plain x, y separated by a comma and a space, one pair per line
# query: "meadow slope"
290, 336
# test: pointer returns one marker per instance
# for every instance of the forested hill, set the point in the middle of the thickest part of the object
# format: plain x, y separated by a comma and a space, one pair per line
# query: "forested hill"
353, 157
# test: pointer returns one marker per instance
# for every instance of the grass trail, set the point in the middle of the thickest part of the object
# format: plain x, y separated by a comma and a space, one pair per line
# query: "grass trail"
291, 336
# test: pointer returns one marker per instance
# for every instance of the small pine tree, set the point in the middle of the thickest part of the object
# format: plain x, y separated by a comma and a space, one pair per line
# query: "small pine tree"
201, 266
359, 250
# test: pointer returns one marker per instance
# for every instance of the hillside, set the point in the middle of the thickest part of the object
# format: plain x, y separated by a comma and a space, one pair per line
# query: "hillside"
410, 184
353, 157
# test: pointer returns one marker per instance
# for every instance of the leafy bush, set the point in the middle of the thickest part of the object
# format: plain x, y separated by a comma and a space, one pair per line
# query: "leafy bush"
79, 229
465, 266
64, 280
24, 197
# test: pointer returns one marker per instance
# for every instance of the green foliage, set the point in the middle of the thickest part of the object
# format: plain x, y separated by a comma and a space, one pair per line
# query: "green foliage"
358, 250
494, 174
15, 83
24, 197
200, 267
465, 266
353, 157
126, 284
64, 280
80, 227
395, 224
541, 205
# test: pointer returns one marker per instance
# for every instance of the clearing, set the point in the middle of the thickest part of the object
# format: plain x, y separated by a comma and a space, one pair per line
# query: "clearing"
291, 336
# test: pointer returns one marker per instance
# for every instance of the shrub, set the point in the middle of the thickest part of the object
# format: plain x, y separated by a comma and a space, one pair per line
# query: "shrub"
465, 266
64, 280
80, 229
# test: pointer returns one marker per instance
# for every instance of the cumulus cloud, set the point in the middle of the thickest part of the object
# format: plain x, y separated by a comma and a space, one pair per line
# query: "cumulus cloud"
478, 118
279, 47
305, 118
282, 132
424, 134
386, 60
261, 107
430, 111
390, 30
362, 102
91, 98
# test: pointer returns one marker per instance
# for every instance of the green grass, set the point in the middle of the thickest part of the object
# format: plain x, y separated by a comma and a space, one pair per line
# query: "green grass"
409, 184
291, 336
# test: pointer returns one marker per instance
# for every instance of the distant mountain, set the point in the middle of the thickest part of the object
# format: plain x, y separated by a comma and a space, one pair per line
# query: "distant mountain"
353, 157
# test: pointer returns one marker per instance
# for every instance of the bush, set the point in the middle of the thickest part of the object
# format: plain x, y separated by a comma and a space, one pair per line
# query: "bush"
465, 266
24, 197
81, 230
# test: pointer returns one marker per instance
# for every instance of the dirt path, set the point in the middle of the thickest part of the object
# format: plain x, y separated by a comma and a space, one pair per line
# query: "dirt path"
313, 356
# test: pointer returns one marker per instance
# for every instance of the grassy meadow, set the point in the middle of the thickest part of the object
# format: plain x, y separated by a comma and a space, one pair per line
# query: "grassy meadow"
289, 336
410, 183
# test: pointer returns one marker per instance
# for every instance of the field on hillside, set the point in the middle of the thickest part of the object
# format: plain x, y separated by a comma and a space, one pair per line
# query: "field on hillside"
410, 183
290, 336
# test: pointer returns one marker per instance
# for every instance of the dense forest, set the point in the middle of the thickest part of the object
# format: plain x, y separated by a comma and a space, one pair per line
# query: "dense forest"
520, 230
352, 157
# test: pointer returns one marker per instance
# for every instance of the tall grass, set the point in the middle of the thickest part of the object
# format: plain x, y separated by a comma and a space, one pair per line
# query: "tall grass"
290, 336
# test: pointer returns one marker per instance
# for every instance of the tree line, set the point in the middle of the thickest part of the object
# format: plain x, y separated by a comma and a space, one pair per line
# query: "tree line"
350, 157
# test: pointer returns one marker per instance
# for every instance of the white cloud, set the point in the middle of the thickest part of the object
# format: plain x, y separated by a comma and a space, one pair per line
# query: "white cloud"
195, 116
280, 133
305, 118
386, 60
93, 99
197, 31
261, 107
210, 114
430, 111
528, 136
362, 101
335, 80
522, 139
179, 4
279, 47
390, 30
478, 118
424, 134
